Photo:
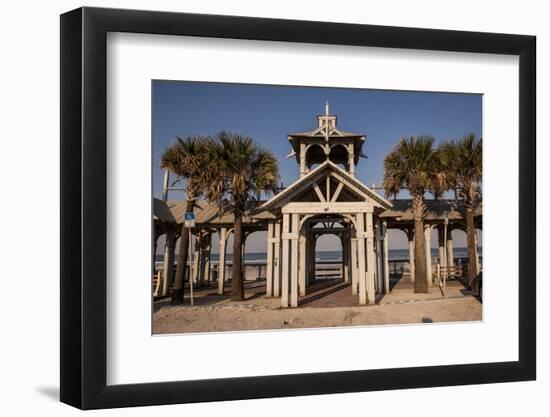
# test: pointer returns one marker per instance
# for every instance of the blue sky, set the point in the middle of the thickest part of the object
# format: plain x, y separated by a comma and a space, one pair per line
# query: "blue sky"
270, 113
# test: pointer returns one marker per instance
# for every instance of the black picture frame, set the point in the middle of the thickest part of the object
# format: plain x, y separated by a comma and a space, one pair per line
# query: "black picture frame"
84, 207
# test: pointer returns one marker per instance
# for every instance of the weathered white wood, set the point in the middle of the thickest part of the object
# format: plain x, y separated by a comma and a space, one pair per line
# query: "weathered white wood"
328, 188
221, 263
285, 273
294, 263
379, 259
290, 236
351, 160
337, 192
346, 257
450, 250
319, 193
367, 194
441, 247
361, 258
371, 259
269, 266
411, 256
320, 207
327, 168
302, 159
302, 263
354, 268
277, 261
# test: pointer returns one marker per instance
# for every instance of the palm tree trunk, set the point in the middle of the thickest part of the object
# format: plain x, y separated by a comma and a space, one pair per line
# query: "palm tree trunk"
471, 236
179, 280
237, 290
420, 273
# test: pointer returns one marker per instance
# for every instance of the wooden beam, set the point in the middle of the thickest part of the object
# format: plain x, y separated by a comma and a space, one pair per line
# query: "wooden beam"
328, 208
337, 192
319, 193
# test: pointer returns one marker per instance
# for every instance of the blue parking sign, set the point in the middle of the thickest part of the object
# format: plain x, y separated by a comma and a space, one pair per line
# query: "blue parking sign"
189, 218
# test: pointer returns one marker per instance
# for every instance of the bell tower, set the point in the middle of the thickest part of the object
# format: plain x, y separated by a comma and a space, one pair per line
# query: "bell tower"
326, 142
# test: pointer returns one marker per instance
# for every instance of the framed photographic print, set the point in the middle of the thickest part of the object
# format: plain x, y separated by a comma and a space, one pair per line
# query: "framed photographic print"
258, 208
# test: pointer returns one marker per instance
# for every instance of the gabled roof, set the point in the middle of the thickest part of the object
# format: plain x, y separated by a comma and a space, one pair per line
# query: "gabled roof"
306, 181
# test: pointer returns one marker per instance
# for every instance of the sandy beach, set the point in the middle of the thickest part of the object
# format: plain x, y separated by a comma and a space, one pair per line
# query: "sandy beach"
214, 313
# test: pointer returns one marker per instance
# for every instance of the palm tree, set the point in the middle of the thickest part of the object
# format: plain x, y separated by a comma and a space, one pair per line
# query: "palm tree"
462, 163
413, 163
186, 159
239, 171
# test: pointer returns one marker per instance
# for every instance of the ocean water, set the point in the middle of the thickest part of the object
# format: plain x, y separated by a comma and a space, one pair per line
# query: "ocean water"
393, 254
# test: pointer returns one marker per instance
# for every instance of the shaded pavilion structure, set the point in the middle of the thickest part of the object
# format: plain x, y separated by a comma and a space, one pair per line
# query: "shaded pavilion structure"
327, 198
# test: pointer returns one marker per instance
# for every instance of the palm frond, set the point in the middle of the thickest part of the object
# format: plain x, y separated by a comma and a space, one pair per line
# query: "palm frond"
238, 170
462, 162
186, 159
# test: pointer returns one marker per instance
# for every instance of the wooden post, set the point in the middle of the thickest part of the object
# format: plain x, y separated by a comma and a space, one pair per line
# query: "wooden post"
450, 251
410, 236
294, 261
441, 245
269, 266
379, 252
277, 261
354, 269
386, 259
302, 262
221, 263
311, 264
206, 258
285, 275
371, 260
351, 160
302, 159
345, 256
361, 259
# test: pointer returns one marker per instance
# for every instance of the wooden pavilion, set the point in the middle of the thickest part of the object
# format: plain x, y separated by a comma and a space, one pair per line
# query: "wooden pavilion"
326, 199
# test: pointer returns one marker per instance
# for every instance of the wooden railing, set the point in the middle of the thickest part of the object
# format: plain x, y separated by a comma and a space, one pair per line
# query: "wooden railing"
443, 273
327, 269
